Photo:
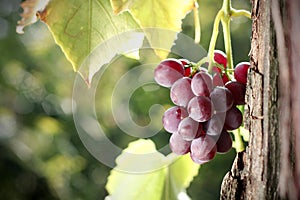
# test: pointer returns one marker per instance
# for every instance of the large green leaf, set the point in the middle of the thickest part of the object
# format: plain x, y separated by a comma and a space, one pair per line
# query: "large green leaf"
180, 175
79, 26
170, 179
157, 14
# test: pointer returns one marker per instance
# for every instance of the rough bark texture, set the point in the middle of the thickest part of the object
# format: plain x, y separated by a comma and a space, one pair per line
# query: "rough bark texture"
255, 171
270, 166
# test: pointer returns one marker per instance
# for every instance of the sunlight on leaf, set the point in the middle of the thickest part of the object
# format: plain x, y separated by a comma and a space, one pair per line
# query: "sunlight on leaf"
85, 25
80, 26
167, 182
157, 14
179, 180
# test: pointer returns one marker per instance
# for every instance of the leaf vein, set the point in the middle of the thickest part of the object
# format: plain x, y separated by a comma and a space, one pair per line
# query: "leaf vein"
108, 16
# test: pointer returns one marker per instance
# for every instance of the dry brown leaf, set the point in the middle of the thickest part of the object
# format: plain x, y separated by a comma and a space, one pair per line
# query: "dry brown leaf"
29, 15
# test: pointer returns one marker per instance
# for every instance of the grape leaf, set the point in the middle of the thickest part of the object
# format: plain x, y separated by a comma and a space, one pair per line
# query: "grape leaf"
157, 14
79, 26
166, 182
180, 181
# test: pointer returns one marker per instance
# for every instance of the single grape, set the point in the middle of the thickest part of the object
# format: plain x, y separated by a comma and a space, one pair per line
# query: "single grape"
238, 91
200, 108
168, 71
189, 129
220, 80
203, 149
201, 84
224, 143
178, 145
222, 99
172, 118
233, 119
181, 92
241, 71
217, 79
220, 58
214, 126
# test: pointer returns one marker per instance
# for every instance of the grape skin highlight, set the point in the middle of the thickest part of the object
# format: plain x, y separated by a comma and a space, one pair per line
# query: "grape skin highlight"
168, 71
172, 118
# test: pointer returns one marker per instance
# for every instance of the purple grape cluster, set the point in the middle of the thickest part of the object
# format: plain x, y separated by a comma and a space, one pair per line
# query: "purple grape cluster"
204, 110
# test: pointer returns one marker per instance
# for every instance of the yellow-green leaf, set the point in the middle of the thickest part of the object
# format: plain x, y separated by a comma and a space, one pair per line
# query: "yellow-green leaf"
169, 177
157, 14
79, 26
179, 180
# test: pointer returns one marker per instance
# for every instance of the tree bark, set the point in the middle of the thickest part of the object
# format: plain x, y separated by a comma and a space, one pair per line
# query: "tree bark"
267, 169
255, 171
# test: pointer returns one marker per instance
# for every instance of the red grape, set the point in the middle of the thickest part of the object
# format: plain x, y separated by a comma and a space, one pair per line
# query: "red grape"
220, 58
168, 71
222, 99
214, 126
205, 108
233, 119
172, 118
238, 91
241, 71
200, 109
224, 143
217, 79
178, 145
220, 80
203, 149
201, 84
181, 92
189, 129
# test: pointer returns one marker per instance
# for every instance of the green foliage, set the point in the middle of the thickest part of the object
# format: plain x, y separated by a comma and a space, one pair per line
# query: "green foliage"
172, 176
86, 24
36, 125
155, 13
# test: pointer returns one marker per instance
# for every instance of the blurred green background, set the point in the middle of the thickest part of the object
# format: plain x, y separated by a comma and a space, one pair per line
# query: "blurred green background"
41, 155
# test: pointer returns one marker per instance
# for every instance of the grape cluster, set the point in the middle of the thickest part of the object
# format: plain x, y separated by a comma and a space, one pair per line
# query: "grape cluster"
205, 106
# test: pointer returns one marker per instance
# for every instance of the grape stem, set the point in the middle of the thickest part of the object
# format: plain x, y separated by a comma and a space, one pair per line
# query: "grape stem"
227, 40
197, 23
224, 16
213, 40
225, 20
239, 13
